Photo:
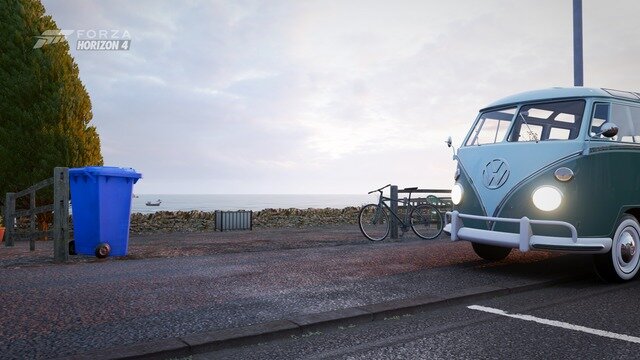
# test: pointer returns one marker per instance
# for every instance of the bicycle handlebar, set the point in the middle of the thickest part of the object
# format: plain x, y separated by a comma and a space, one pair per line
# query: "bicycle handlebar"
372, 191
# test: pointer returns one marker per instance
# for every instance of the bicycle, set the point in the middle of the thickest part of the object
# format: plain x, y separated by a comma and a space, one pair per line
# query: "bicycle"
425, 219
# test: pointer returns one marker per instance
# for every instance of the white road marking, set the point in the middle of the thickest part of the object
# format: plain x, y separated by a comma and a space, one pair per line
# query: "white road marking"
559, 324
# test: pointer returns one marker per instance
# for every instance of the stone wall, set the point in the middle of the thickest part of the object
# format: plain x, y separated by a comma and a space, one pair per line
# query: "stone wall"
309, 217
169, 221
195, 221
198, 221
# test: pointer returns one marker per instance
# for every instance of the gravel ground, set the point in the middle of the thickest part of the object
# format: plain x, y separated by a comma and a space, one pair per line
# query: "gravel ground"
194, 244
229, 280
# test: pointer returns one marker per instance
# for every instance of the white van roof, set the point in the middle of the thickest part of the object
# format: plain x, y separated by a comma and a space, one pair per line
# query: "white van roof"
561, 93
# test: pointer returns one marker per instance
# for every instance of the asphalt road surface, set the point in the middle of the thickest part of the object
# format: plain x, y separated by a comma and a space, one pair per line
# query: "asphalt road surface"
581, 320
55, 310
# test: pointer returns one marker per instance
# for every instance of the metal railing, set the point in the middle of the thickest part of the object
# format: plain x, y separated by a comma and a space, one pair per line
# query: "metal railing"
60, 209
442, 201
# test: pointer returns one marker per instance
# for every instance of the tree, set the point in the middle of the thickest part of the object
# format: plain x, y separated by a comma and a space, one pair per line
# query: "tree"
45, 109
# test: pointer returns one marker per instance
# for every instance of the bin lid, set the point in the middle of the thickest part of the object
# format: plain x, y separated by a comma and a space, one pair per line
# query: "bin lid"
105, 171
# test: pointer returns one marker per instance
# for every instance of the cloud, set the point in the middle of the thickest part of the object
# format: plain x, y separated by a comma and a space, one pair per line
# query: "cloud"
327, 96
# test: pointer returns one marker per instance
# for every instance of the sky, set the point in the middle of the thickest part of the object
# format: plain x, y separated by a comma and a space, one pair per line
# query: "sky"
323, 97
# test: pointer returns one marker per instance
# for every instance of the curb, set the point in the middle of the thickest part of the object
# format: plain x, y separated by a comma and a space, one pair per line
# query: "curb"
301, 324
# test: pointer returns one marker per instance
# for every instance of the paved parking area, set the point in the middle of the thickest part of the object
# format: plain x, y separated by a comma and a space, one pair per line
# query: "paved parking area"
57, 310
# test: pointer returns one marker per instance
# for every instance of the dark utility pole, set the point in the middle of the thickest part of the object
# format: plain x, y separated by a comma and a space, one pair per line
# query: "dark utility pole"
577, 43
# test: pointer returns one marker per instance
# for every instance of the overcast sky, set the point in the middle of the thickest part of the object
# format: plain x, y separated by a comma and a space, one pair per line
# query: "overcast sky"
324, 96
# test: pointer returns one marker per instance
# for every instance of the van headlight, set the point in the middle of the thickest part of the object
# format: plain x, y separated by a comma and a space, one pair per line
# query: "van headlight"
456, 193
547, 198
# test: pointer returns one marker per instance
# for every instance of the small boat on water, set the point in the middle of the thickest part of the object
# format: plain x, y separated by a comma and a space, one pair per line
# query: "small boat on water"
156, 203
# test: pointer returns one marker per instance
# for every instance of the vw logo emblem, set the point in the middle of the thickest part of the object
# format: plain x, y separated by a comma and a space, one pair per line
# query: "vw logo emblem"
495, 173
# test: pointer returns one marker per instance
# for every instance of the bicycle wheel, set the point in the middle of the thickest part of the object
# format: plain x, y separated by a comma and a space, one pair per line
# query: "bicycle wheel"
374, 222
426, 221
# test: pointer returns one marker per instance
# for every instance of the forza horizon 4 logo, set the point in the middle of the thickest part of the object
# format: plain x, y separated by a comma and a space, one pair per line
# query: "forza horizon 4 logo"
495, 173
102, 39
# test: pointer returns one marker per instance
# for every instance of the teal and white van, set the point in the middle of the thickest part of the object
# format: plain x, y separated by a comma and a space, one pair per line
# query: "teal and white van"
553, 170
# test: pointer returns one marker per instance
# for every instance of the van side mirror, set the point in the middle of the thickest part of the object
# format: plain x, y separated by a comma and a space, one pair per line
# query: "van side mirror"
449, 144
608, 129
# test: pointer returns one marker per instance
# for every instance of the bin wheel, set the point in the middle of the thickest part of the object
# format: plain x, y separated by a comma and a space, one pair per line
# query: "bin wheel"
72, 248
103, 250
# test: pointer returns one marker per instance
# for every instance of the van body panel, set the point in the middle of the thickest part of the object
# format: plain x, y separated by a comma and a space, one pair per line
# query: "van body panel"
522, 160
606, 184
471, 203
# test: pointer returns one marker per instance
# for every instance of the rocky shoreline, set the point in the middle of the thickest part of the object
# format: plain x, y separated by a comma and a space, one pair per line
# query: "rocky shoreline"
197, 221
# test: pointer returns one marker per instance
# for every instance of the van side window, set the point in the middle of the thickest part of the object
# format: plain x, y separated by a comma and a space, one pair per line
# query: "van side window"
600, 116
491, 127
548, 121
627, 118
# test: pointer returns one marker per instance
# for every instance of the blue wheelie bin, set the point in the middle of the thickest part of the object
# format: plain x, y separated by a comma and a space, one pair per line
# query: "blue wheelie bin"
100, 209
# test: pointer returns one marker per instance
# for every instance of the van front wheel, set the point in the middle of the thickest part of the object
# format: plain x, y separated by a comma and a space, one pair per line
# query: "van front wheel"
490, 252
622, 262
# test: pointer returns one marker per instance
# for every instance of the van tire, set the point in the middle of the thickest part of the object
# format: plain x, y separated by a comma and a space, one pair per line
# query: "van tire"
613, 266
490, 252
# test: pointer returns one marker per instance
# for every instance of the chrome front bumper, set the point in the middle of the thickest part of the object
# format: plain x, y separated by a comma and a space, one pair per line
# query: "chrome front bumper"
524, 240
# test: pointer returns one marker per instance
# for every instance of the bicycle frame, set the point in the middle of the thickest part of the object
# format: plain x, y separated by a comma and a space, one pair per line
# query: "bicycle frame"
407, 202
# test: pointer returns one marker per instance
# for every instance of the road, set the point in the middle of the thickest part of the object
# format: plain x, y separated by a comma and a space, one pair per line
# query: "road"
579, 320
59, 310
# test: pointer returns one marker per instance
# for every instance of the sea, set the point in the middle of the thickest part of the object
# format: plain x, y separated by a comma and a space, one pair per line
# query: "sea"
212, 202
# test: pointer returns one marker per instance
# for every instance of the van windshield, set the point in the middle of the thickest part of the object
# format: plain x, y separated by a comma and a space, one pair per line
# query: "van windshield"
491, 127
548, 121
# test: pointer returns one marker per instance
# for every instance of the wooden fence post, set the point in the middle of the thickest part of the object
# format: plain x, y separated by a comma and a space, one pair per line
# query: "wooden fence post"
9, 218
32, 206
60, 214
394, 207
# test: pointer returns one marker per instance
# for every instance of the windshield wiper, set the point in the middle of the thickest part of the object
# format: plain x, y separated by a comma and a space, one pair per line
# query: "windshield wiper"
531, 133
